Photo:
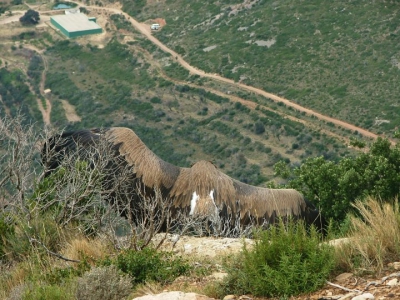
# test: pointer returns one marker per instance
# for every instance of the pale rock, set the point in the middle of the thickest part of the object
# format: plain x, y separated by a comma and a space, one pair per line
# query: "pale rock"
229, 297
217, 276
365, 296
339, 242
392, 282
342, 277
188, 248
174, 296
348, 296
396, 265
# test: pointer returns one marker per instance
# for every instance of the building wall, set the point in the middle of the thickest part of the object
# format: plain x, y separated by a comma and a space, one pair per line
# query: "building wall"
84, 32
58, 26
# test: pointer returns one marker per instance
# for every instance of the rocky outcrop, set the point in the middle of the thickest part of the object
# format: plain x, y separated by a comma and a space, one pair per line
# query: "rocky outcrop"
174, 296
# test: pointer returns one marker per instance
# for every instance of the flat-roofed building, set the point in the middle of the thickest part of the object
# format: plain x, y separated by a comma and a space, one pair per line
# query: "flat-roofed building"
75, 25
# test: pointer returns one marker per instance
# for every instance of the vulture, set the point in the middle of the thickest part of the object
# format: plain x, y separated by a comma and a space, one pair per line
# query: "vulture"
201, 190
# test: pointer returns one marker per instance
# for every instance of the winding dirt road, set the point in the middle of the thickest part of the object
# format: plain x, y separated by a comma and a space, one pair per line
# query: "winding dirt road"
145, 30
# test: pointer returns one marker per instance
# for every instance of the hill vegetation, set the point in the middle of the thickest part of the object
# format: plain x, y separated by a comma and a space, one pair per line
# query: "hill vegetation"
337, 57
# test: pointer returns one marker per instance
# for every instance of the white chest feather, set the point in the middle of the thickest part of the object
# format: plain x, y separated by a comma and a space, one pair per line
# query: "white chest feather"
193, 203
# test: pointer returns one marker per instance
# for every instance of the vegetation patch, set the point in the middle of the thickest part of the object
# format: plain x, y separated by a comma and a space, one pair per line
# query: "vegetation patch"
284, 261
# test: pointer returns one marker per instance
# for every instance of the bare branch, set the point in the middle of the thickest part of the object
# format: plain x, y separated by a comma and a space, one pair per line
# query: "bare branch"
343, 288
53, 253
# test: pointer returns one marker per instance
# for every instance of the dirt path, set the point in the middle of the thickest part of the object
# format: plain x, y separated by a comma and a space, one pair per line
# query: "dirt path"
45, 110
9, 19
146, 31
70, 112
250, 104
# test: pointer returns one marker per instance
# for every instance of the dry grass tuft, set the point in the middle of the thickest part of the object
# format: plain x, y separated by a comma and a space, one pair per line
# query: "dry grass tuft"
375, 236
148, 288
82, 248
12, 279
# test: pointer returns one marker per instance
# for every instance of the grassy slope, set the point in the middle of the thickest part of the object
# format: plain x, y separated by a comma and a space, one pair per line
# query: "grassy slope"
337, 57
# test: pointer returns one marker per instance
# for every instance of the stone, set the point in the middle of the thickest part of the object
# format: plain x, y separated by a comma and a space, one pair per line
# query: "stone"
342, 277
392, 282
365, 296
396, 265
348, 296
229, 297
217, 276
339, 242
174, 296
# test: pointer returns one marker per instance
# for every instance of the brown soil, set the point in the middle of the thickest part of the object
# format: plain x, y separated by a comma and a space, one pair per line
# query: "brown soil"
70, 112
160, 21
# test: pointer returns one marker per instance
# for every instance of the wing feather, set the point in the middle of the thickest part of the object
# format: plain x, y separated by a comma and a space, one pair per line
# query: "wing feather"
153, 171
268, 203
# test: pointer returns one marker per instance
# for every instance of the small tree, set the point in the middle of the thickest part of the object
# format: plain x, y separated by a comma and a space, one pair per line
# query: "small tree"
31, 17
334, 186
259, 128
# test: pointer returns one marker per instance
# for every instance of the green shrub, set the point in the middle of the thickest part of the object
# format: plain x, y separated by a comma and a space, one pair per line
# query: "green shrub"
56, 276
46, 292
284, 261
151, 265
39, 232
103, 283
7, 229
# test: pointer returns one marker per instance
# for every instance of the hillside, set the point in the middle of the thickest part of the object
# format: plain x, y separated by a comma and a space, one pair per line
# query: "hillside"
119, 78
336, 57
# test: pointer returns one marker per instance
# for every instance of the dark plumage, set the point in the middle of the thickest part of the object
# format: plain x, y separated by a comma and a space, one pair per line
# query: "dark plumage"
201, 190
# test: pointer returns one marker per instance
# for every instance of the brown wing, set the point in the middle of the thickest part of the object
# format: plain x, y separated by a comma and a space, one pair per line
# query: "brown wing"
265, 203
153, 171
232, 196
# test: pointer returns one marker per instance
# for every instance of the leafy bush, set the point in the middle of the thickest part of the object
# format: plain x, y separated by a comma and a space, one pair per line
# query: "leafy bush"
284, 261
31, 17
103, 283
46, 292
259, 128
151, 265
336, 186
33, 235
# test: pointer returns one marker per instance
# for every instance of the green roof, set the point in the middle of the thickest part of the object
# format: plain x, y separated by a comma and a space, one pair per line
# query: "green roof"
75, 22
